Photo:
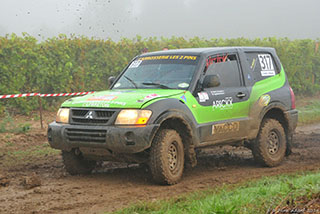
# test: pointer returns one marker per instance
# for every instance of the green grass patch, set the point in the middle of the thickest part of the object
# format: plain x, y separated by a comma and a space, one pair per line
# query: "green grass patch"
13, 157
8, 125
258, 196
309, 113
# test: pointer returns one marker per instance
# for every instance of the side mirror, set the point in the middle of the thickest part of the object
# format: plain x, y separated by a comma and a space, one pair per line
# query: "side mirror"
211, 81
111, 80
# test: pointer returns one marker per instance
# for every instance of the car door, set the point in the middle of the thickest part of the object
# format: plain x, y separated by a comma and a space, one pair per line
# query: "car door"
223, 109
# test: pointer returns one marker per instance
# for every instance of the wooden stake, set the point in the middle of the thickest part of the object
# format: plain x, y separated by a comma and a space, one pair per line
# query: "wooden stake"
40, 110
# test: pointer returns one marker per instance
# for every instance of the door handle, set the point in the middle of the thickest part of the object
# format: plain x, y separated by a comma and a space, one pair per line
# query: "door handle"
241, 95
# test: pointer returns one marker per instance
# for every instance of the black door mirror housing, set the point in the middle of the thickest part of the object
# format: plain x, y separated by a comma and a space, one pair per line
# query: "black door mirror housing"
111, 80
211, 81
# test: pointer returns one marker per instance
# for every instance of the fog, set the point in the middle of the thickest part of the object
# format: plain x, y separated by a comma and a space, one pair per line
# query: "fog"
148, 18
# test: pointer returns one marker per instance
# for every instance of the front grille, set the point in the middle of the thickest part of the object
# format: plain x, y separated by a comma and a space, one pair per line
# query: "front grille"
88, 121
104, 113
86, 135
91, 116
79, 112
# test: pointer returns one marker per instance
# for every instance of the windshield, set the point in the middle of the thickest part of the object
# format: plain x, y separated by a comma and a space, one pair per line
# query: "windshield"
166, 71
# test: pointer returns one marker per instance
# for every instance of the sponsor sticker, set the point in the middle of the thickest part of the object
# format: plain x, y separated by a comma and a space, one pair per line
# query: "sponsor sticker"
253, 64
99, 103
223, 104
135, 64
183, 85
172, 57
117, 103
96, 104
224, 128
102, 98
203, 96
264, 100
148, 97
183, 97
151, 96
216, 93
117, 85
268, 73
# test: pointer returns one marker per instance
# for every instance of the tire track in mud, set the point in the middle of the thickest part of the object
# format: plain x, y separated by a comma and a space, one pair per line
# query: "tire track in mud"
113, 186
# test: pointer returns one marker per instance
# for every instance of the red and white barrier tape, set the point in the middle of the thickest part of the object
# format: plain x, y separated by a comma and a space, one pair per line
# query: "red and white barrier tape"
44, 95
19, 95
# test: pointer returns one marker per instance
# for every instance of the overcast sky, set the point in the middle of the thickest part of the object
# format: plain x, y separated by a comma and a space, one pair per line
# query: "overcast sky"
188, 18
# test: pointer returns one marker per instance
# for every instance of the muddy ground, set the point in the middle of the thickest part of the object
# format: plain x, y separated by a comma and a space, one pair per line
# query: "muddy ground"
33, 180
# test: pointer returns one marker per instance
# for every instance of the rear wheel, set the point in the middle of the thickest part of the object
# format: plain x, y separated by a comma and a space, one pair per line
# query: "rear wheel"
270, 146
167, 157
76, 164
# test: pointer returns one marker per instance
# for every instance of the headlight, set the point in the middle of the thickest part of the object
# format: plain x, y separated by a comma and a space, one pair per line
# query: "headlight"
133, 117
63, 115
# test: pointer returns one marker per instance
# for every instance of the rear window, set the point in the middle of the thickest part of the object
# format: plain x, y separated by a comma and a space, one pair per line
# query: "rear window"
262, 65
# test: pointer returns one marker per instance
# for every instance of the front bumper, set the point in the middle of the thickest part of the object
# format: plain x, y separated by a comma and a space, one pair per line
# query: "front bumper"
118, 139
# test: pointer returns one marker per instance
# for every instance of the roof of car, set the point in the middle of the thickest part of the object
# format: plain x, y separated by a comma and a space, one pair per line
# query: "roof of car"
200, 51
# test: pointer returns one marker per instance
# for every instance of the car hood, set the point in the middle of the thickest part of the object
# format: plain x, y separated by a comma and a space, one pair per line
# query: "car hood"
125, 98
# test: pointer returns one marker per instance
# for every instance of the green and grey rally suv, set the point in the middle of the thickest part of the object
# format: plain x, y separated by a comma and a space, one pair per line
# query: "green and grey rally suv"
167, 104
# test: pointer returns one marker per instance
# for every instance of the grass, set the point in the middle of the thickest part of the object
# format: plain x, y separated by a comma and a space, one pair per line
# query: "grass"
258, 196
35, 151
309, 113
10, 156
8, 125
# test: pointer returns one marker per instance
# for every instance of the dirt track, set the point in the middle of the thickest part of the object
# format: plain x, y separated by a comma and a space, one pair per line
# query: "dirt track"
114, 186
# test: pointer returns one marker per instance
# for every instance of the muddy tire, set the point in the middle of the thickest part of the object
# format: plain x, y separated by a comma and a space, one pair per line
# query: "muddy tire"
270, 146
76, 164
167, 157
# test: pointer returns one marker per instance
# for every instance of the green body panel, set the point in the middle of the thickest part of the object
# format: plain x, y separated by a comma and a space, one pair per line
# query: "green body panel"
125, 98
206, 114
263, 87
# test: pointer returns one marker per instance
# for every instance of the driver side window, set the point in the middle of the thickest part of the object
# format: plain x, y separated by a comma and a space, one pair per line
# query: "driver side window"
226, 67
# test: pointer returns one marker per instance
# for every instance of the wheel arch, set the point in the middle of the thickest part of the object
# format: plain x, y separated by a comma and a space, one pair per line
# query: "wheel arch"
174, 114
277, 111
179, 122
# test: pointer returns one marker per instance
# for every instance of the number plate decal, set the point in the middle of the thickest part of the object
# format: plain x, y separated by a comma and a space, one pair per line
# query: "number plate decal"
135, 64
225, 128
267, 68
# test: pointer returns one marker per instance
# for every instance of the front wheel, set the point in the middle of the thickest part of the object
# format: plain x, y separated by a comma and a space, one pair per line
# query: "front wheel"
167, 157
270, 146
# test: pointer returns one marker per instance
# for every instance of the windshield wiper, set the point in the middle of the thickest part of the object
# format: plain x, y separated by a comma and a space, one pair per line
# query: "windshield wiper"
130, 80
156, 84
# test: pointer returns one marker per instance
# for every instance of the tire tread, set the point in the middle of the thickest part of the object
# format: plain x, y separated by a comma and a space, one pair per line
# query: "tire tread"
259, 152
159, 173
